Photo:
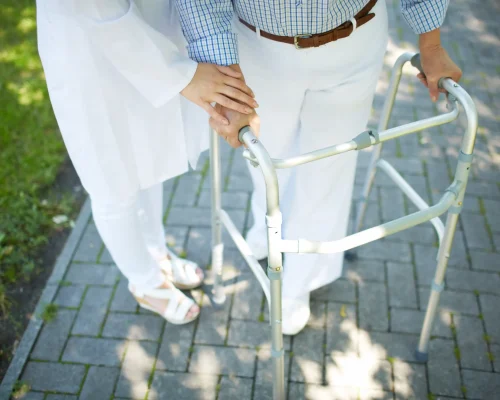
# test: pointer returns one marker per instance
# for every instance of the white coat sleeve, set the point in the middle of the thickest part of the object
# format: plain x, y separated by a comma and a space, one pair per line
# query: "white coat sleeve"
149, 60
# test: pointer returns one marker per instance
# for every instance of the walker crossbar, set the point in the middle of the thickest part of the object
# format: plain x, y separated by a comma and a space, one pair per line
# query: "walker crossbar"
256, 153
362, 141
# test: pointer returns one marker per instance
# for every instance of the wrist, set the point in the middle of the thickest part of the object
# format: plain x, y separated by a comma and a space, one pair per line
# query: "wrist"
430, 40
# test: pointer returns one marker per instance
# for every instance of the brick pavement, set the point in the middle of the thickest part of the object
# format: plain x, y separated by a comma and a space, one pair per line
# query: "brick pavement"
364, 327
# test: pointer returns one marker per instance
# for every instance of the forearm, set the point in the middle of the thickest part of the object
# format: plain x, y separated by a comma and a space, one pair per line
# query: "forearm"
206, 24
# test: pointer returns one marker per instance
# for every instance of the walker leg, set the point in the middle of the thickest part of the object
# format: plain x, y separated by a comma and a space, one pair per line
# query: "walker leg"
461, 175
437, 286
363, 199
219, 296
277, 351
275, 274
383, 124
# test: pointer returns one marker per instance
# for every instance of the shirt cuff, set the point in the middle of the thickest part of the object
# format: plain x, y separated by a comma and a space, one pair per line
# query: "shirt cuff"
425, 16
221, 49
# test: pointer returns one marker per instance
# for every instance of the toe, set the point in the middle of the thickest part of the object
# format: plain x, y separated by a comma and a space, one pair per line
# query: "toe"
200, 274
193, 311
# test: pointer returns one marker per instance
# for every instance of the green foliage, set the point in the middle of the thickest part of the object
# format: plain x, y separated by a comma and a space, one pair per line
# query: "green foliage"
20, 389
31, 148
49, 313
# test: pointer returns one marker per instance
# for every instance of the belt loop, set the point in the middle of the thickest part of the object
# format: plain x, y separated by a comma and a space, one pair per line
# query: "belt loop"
354, 24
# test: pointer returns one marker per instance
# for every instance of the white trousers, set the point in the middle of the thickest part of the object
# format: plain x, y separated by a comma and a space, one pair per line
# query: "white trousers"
310, 99
133, 232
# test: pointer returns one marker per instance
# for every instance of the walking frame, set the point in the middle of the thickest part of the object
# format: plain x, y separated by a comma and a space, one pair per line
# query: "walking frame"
256, 153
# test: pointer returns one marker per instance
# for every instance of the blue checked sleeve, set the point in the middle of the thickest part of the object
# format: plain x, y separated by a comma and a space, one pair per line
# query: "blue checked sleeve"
206, 24
424, 15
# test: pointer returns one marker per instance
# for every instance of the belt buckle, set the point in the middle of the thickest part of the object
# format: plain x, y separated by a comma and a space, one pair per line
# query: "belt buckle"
296, 40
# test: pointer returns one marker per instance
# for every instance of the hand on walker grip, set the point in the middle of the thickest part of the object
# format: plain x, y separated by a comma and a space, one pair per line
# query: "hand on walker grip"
236, 121
223, 85
437, 64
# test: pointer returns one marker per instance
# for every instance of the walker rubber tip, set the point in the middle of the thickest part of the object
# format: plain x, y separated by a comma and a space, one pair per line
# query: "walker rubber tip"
421, 357
218, 301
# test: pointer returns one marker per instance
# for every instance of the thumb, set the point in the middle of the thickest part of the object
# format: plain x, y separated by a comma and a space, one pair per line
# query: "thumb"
255, 125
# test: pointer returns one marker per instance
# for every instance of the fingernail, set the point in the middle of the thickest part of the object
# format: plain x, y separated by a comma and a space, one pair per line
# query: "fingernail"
433, 98
255, 104
225, 122
248, 110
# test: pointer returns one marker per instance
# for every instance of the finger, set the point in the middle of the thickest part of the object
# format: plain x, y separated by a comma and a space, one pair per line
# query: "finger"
238, 84
255, 126
236, 94
229, 71
214, 114
214, 125
433, 89
233, 105
424, 82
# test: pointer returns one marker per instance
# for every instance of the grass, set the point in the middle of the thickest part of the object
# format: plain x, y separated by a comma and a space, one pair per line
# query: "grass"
49, 312
343, 313
32, 150
20, 389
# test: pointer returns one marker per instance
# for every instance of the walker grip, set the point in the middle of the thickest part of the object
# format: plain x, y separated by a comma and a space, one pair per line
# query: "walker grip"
415, 61
242, 132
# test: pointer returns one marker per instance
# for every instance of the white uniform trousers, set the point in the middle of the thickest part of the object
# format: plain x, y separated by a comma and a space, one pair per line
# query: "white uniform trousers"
310, 99
133, 232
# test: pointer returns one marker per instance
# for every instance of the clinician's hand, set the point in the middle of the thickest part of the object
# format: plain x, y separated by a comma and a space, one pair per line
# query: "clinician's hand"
222, 85
237, 121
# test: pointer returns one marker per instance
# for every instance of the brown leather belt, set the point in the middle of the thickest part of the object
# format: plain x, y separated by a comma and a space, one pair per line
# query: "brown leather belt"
305, 41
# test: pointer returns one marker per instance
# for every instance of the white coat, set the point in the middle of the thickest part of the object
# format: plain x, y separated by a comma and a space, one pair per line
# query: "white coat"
114, 70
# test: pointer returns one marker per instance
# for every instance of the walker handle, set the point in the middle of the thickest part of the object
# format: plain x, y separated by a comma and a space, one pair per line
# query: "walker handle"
242, 132
415, 61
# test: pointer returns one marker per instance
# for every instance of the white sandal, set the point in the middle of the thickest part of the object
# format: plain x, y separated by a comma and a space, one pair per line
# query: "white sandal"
177, 308
182, 273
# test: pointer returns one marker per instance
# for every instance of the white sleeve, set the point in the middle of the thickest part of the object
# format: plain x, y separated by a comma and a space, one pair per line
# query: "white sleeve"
149, 60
